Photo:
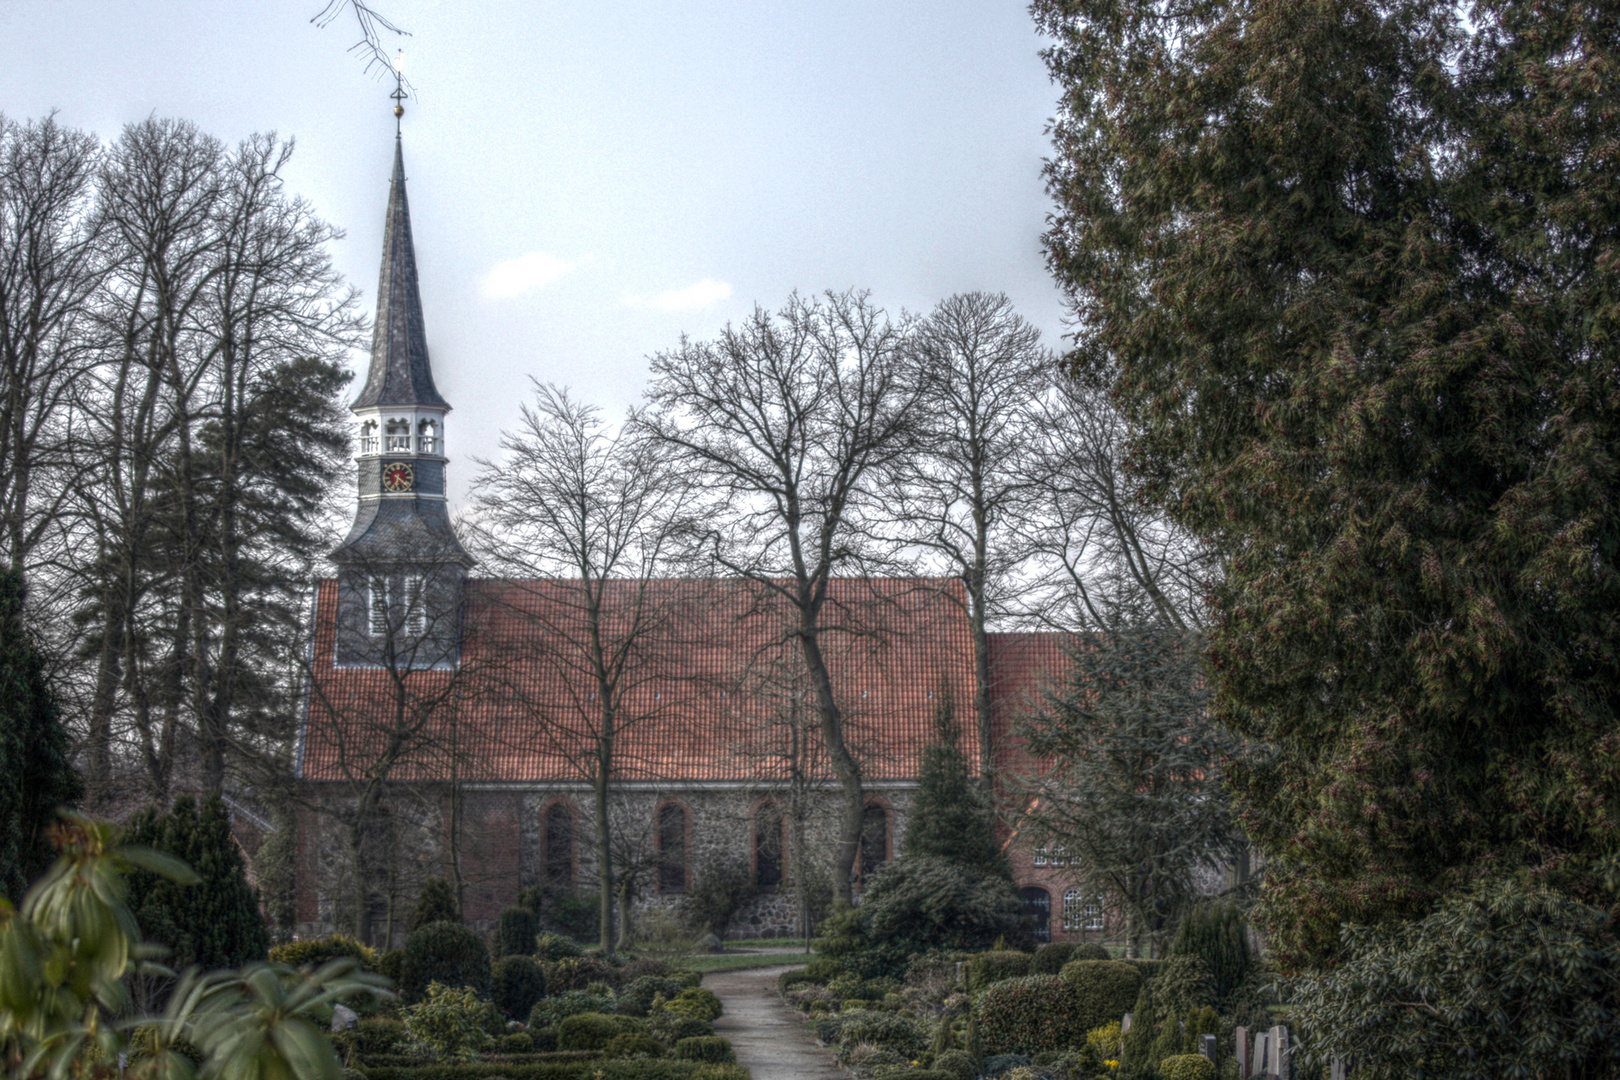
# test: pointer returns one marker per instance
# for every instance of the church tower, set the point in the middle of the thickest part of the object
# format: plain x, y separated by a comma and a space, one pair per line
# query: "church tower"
401, 570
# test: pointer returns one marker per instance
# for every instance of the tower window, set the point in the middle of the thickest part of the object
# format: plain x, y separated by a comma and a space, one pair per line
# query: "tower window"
399, 436
415, 609
427, 440
768, 847
377, 605
369, 443
559, 847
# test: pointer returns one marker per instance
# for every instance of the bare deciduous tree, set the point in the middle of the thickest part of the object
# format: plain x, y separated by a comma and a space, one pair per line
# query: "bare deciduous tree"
788, 419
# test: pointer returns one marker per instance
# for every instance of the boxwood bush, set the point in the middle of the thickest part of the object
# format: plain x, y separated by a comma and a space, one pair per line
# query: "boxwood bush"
1088, 950
1050, 958
577, 973
516, 983
380, 1034
1104, 990
992, 967
636, 999
516, 1042
794, 977
671, 1029
958, 1063
313, 952
550, 946
695, 1001
550, 1011
591, 1031
886, 1031
1187, 1067
711, 1048
629, 1044
444, 952
516, 931
1028, 1015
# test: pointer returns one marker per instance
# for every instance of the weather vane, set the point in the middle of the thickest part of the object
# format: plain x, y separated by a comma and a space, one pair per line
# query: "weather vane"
399, 95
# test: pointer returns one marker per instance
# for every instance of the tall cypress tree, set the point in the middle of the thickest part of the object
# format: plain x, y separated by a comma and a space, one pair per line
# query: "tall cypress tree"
36, 777
215, 923
950, 816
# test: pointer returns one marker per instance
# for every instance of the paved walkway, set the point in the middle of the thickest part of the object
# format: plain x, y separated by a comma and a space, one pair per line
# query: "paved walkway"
768, 1036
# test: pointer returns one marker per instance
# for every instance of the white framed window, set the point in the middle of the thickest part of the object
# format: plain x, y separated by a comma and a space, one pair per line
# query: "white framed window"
1040, 856
415, 610
377, 606
1093, 913
1082, 911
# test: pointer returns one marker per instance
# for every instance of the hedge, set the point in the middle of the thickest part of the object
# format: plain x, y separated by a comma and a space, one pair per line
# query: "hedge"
628, 1044
794, 977
1088, 950
592, 1031
1028, 1015
996, 966
1050, 958
1103, 990
710, 1048
313, 952
1187, 1067
1148, 968
637, 998
886, 1031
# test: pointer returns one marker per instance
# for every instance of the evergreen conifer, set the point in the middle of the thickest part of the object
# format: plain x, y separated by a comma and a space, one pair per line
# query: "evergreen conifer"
951, 817
1215, 933
436, 902
36, 777
215, 923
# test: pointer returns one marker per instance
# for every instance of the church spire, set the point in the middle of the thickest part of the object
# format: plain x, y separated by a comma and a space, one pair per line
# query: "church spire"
400, 373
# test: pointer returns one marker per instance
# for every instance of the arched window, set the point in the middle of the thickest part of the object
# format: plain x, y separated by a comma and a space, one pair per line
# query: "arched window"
559, 846
369, 443
399, 435
1037, 912
874, 839
1082, 911
671, 849
768, 847
427, 438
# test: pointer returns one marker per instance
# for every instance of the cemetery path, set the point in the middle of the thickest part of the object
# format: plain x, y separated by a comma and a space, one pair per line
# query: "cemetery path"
768, 1036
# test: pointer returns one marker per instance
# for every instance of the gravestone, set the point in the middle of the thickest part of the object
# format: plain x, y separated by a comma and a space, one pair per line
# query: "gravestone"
343, 1018
1338, 1069
1279, 1053
1206, 1046
1125, 1025
1241, 1037
1261, 1058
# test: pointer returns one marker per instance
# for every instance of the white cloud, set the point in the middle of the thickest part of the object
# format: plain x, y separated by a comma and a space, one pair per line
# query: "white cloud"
525, 273
699, 294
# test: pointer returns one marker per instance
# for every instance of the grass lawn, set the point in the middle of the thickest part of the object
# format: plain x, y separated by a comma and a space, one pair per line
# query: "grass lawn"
738, 961
796, 944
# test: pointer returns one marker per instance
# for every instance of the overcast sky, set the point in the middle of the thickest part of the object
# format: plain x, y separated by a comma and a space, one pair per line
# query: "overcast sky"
591, 180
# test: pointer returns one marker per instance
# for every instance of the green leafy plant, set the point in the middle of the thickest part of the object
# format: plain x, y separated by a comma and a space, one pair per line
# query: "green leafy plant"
705, 1048
996, 966
1187, 1067
591, 1031
1028, 1015
1104, 990
313, 952
694, 1001
448, 1021
551, 947
632, 1044
1216, 934
550, 1011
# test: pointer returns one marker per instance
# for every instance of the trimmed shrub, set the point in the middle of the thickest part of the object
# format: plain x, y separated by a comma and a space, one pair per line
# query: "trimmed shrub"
392, 965
576, 916
1184, 983
1028, 1015
629, 1044
449, 1021
1149, 968
1187, 1067
516, 983
545, 1039
1050, 958
1001, 1064
792, 978
926, 902
671, 1029
710, 1048
516, 931
435, 903
997, 966
591, 1031
959, 1064
1104, 990
886, 1031
550, 946
641, 967
444, 952
576, 973
824, 969
313, 952
380, 1034
695, 1001
868, 1063
686, 978
1088, 950
551, 1011
516, 1042
1106, 1041
1215, 931
637, 998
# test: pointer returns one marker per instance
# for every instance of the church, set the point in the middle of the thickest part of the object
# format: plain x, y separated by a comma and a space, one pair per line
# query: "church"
446, 731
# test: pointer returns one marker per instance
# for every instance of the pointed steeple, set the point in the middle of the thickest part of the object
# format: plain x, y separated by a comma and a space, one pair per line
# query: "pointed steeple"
400, 373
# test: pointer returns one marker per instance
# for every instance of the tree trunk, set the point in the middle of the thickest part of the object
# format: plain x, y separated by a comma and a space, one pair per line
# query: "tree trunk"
844, 764
604, 847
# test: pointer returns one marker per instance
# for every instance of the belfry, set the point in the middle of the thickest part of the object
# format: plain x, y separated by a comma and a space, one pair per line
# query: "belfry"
401, 568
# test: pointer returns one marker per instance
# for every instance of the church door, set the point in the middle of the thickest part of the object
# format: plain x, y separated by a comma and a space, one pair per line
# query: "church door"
1037, 912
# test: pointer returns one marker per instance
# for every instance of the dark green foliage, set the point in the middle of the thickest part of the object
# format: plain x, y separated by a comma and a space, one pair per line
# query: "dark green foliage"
568, 1067
550, 946
1184, 983
576, 973
392, 965
574, 916
36, 777
1050, 958
793, 977
1104, 990
633, 1044
516, 983
705, 1048
637, 997
516, 1042
1349, 268
1187, 1067
516, 931
1134, 791
1201, 1021
886, 1031
591, 1031
951, 818
445, 952
313, 952
823, 969
1090, 951
1511, 976
1136, 1057
1001, 1064
436, 902
958, 1063
996, 966
1149, 968
550, 1011
215, 923
671, 1029
1215, 932
380, 1034
643, 966
715, 893
926, 902
1028, 1015
696, 1001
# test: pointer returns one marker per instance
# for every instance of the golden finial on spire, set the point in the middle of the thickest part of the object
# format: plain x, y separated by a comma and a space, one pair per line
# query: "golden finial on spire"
399, 95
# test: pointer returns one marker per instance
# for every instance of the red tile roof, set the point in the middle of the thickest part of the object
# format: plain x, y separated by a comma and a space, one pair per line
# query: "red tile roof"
706, 698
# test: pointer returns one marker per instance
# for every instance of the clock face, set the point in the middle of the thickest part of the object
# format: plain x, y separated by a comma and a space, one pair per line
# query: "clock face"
397, 476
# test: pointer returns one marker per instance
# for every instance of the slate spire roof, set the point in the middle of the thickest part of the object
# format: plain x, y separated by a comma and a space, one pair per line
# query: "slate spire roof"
400, 373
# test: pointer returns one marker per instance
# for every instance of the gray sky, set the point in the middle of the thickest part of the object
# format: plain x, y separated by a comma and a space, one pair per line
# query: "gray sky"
589, 181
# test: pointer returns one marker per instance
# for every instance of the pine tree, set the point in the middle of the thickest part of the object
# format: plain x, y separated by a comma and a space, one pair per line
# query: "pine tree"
36, 777
1349, 269
215, 923
950, 816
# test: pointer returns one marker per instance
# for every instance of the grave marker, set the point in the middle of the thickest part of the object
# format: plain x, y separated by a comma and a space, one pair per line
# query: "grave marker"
1241, 1037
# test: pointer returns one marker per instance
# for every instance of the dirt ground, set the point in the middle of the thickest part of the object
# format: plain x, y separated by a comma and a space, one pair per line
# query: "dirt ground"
768, 1037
